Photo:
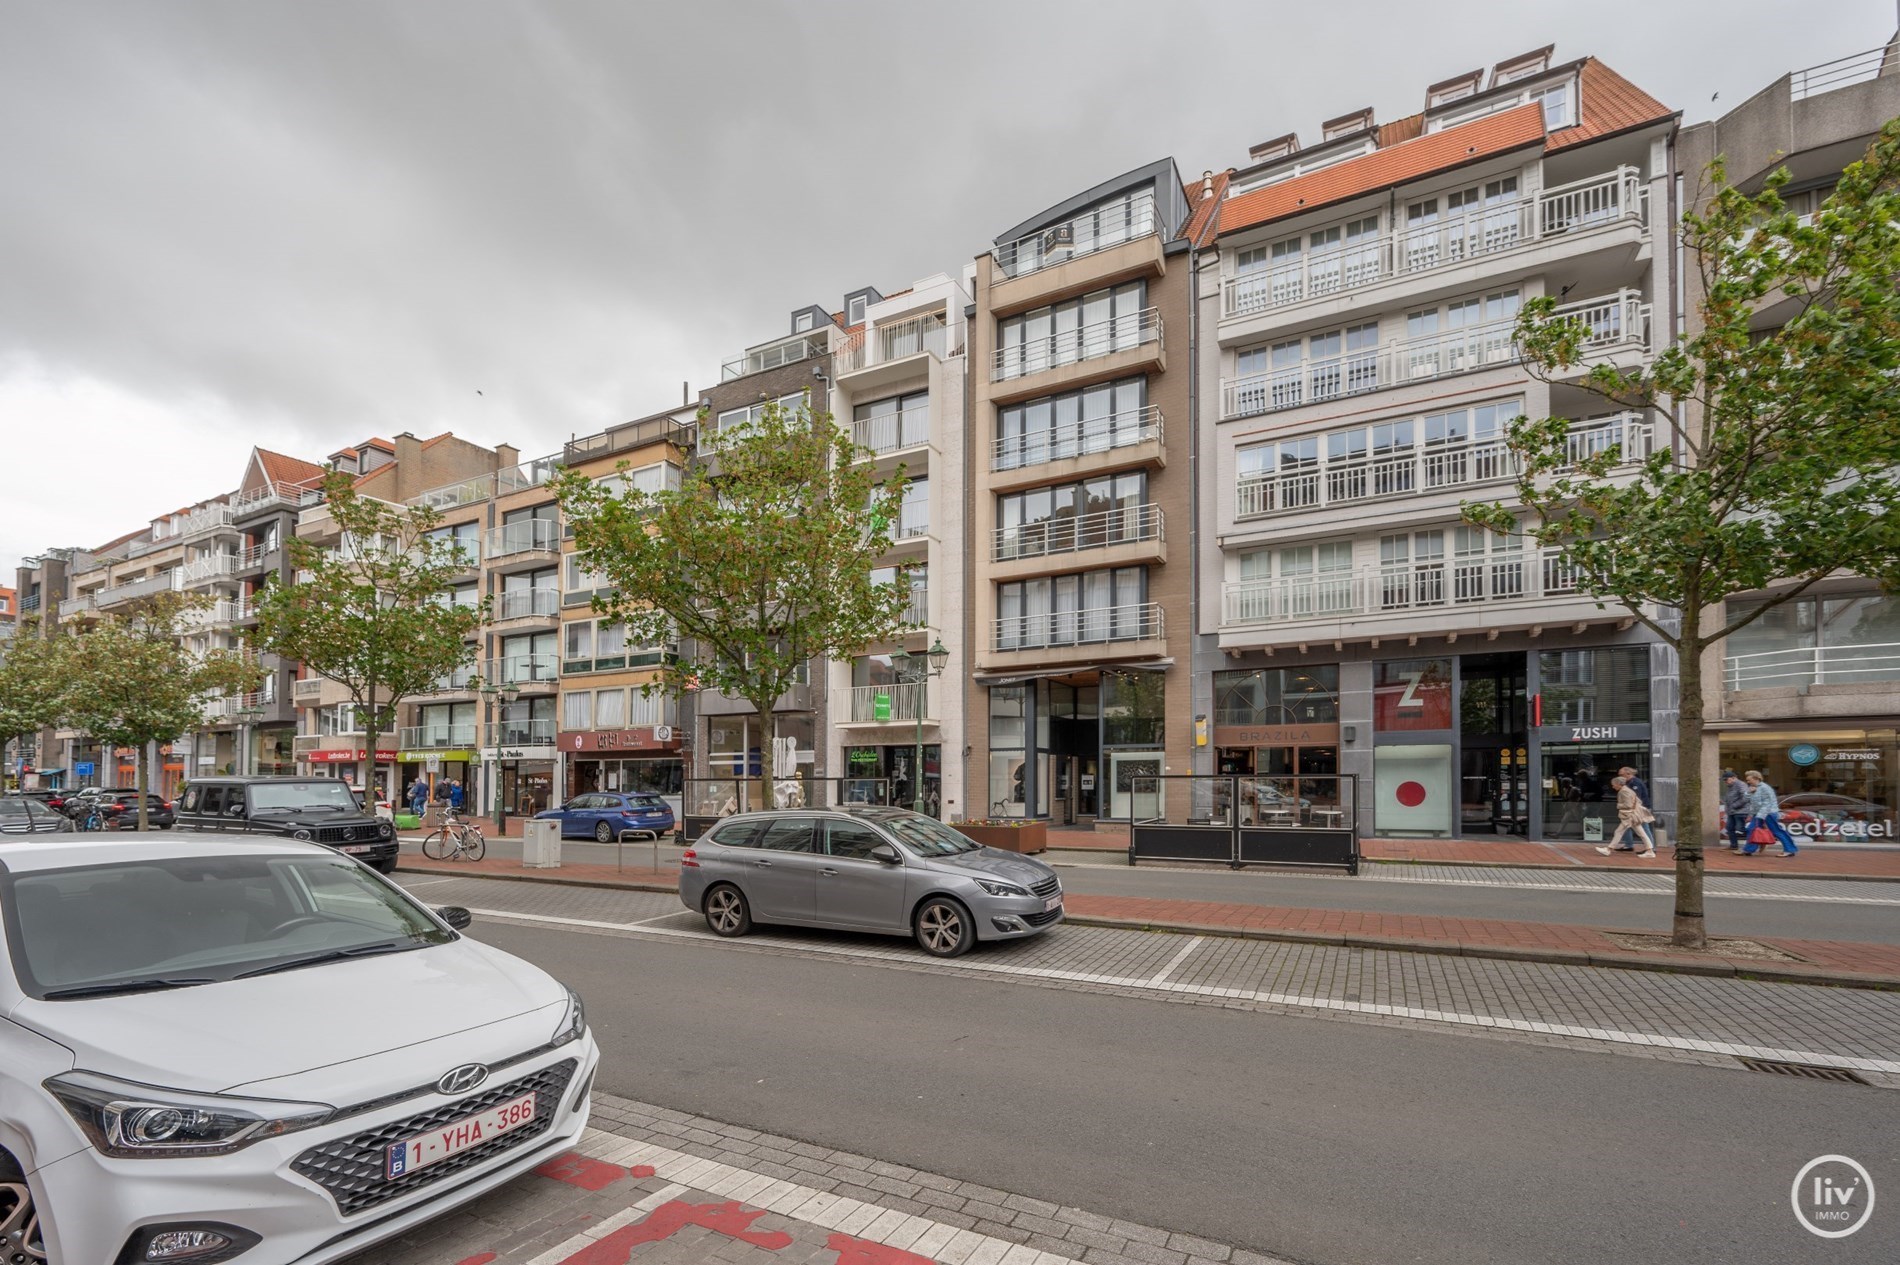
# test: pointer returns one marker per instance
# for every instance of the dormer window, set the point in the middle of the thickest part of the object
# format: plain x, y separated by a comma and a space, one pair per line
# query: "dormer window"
1346, 124
1454, 89
1523, 67
854, 310
801, 323
1278, 147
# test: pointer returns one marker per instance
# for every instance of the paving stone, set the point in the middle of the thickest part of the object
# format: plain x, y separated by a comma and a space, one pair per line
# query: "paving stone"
1139, 1233
1022, 1203
1199, 1247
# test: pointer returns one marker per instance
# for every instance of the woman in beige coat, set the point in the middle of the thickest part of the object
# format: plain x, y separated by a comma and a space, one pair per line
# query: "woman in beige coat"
1630, 815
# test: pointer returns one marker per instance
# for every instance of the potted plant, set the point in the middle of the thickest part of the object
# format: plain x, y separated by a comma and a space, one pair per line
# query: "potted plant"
1011, 834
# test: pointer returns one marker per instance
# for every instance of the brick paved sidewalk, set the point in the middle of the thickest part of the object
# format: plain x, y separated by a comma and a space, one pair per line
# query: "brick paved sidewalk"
649, 1186
1851, 963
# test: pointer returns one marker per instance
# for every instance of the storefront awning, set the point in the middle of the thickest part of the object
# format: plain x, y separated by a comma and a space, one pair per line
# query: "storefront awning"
1019, 678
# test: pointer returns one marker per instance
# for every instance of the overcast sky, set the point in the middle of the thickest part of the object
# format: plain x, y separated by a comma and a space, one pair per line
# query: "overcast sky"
300, 224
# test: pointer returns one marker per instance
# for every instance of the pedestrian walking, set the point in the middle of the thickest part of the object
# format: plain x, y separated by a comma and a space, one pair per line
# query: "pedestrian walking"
1639, 786
455, 796
418, 797
1631, 815
1765, 815
1734, 808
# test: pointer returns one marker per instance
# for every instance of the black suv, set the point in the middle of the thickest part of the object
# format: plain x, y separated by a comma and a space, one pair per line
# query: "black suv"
121, 808
321, 809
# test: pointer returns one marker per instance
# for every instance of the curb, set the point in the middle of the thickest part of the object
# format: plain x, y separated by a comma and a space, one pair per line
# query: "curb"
1723, 968
1587, 867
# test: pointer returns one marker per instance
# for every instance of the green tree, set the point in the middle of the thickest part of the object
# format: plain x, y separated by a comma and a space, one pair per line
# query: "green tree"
129, 681
762, 557
1779, 448
30, 683
374, 614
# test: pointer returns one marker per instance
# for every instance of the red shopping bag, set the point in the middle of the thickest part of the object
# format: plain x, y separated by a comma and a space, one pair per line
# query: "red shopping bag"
1760, 835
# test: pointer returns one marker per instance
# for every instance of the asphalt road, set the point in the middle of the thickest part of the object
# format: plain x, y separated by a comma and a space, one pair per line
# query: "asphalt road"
1328, 1142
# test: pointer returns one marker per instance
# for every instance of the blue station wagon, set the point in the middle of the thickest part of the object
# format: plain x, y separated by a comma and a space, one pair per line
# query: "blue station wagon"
602, 815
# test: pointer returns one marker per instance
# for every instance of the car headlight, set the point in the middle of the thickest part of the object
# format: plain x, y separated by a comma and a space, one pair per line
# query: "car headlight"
573, 1021
386, 830
301, 833
133, 1121
1000, 889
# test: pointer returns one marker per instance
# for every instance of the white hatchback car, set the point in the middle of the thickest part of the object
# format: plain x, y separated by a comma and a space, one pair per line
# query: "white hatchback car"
257, 1050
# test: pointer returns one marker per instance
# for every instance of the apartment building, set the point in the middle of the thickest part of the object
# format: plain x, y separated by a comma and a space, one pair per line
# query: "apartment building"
39, 759
613, 734
499, 510
898, 386
1357, 372
1809, 692
1078, 459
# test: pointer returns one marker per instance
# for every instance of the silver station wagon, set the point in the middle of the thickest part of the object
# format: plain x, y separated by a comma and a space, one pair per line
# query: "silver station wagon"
866, 869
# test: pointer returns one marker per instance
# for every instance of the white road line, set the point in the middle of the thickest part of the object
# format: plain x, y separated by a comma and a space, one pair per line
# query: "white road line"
427, 882
1292, 1000
1189, 947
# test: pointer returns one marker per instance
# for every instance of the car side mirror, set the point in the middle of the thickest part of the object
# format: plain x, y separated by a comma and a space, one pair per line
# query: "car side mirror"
886, 853
456, 916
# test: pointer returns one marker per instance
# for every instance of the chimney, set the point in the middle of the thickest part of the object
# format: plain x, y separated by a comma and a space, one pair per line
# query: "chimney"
507, 456
1207, 184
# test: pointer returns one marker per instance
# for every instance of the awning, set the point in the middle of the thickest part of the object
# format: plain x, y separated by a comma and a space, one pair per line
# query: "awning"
1018, 678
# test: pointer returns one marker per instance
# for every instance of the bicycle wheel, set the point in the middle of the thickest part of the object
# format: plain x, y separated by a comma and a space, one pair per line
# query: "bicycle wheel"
474, 845
435, 845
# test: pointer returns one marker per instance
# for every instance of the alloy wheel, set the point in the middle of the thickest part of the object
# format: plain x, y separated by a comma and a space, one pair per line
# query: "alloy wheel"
20, 1240
725, 910
941, 928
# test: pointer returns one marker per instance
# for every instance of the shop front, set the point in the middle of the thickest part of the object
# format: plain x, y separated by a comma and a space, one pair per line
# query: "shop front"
893, 764
434, 767
1836, 783
1280, 723
520, 778
1078, 746
352, 765
645, 759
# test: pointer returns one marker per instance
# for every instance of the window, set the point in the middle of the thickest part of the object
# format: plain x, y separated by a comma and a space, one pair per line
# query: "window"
1084, 609
529, 657
577, 710
1321, 367
736, 417
1056, 427
737, 834
801, 323
1559, 103
913, 515
854, 311
610, 709
1095, 324
464, 537
1099, 512
581, 578
1609, 685
792, 834
579, 642
660, 476
851, 840
469, 594
1277, 696
901, 421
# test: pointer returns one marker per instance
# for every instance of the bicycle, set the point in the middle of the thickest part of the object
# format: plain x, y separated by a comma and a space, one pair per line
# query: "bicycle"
454, 840
96, 817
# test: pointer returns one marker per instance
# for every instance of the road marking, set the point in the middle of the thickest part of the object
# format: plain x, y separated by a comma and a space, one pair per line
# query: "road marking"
427, 882
1292, 1000
1189, 947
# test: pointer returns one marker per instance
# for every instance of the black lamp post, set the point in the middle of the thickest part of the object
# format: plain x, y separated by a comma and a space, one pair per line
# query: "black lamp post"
505, 694
917, 669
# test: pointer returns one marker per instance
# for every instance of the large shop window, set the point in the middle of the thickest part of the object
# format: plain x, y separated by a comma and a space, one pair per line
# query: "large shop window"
1071, 610
1055, 427
1009, 735
1411, 695
1277, 696
1837, 784
1604, 686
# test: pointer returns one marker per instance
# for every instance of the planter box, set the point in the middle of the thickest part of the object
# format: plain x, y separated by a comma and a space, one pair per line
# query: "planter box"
1029, 838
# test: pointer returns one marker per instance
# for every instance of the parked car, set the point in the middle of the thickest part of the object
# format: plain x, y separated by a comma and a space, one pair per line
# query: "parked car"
602, 815
1823, 814
25, 815
253, 1048
887, 870
315, 809
160, 813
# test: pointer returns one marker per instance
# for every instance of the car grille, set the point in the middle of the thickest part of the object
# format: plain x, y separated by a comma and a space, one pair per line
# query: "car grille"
1044, 918
345, 834
1048, 887
352, 1169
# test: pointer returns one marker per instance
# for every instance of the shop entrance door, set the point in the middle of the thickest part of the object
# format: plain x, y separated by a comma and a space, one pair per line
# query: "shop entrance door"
1494, 732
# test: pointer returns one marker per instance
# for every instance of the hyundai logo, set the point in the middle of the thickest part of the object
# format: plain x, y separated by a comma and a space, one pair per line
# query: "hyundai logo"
459, 1080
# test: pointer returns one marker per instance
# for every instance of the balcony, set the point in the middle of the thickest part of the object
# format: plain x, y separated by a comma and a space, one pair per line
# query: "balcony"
522, 541
521, 733
1091, 232
460, 681
211, 567
1105, 529
1320, 597
1415, 471
1143, 621
163, 582
1073, 441
1842, 72
254, 556
893, 432
68, 608
1615, 323
527, 474
902, 703
527, 604
775, 355
917, 613
525, 671
272, 496
631, 436
454, 495
308, 690
436, 737
1808, 666
913, 523
1116, 337
1613, 199
892, 344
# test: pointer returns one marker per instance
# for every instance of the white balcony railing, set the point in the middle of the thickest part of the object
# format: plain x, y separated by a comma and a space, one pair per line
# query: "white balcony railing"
210, 567
913, 522
534, 535
899, 340
917, 613
460, 681
771, 356
522, 669
893, 432
1138, 621
521, 733
1615, 321
1104, 338
307, 690
287, 494
1417, 585
69, 607
903, 701
467, 492
437, 736
1616, 197
1077, 439
1426, 469
163, 582
1813, 665
528, 604
1126, 525
1088, 233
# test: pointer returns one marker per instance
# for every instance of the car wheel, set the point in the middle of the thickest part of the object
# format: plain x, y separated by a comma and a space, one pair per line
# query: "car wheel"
20, 1237
943, 928
727, 912
603, 833
386, 867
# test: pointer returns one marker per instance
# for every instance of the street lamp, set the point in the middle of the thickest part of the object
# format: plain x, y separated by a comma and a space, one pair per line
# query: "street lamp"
247, 717
917, 669
505, 693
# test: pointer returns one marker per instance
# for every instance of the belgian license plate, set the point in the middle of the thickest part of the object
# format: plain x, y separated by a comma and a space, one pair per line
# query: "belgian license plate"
457, 1136
357, 849
1052, 904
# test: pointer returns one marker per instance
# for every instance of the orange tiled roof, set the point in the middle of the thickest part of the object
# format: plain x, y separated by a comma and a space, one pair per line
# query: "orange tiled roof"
281, 469
1438, 151
384, 444
1204, 220
120, 540
1611, 104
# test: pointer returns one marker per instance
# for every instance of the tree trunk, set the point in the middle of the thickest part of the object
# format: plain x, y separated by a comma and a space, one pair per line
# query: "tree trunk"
1691, 929
370, 735
768, 773
144, 781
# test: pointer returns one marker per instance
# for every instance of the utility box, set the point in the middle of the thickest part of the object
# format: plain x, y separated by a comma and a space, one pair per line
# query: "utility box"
540, 844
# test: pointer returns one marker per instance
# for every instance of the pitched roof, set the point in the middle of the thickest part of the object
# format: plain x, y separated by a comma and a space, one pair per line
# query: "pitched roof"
1204, 220
1611, 104
279, 468
1382, 168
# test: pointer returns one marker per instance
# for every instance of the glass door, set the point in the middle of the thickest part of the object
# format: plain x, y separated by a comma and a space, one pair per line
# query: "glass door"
1125, 770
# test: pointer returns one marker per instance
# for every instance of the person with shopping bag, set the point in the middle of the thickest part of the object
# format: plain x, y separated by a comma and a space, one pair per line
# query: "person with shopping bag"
1631, 815
1764, 825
